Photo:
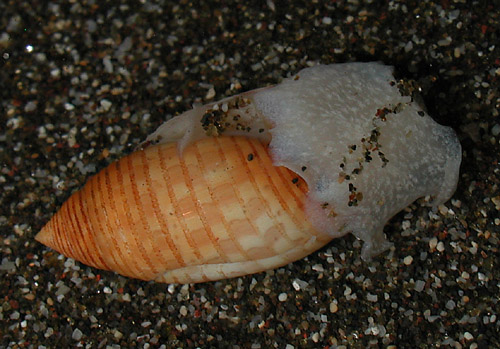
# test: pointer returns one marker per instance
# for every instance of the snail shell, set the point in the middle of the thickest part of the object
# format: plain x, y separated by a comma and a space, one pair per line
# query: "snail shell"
191, 206
221, 210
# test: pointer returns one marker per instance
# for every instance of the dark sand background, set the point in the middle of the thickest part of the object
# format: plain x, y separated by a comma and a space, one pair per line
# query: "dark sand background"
82, 82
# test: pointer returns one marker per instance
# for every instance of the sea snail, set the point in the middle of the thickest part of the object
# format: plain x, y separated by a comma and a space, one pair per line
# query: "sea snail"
261, 179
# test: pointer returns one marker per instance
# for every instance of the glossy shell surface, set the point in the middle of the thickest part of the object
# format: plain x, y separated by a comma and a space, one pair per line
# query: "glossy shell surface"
220, 210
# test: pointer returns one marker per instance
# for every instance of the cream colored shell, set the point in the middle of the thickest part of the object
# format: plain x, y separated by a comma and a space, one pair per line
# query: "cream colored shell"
220, 210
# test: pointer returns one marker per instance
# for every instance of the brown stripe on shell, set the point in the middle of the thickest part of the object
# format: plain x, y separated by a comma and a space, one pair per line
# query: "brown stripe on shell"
187, 175
233, 185
102, 196
140, 223
283, 184
164, 233
266, 201
167, 153
81, 253
58, 238
93, 249
137, 253
213, 210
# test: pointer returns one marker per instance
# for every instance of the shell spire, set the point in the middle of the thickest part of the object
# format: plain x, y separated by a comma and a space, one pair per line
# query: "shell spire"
78, 243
